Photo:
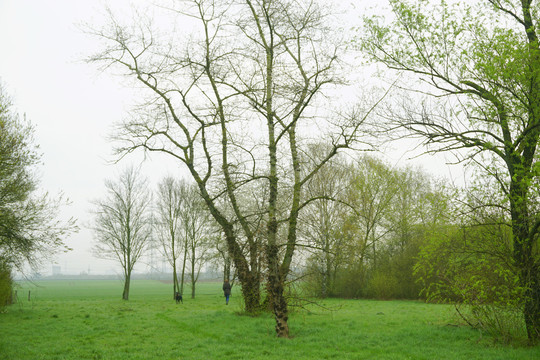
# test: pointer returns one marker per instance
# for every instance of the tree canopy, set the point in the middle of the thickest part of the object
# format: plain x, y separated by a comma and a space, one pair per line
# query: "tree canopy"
30, 228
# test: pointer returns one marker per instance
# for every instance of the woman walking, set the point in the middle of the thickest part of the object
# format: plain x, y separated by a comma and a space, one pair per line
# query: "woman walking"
227, 291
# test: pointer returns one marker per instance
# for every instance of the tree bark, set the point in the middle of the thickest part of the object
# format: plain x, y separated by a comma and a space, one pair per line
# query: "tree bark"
276, 293
127, 280
183, 270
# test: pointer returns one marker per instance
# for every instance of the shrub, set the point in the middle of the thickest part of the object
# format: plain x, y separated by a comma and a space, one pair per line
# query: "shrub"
472, 268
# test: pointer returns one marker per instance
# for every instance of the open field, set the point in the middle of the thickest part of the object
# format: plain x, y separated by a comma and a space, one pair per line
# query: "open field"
88, 320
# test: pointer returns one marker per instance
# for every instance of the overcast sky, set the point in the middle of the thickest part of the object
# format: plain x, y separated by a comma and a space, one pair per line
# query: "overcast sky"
73, 108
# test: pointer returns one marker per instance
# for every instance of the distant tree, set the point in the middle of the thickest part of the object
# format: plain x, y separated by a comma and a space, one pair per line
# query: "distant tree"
365, 230
123, 222
29, 227
322, 223
197, 230
372, 193
169, 204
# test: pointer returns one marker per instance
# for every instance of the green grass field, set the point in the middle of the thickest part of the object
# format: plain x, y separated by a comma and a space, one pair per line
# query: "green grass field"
88, 320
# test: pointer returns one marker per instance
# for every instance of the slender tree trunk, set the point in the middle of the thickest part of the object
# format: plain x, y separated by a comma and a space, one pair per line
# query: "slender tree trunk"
175, 279
328, 270
183, 271
193, 279
127, 280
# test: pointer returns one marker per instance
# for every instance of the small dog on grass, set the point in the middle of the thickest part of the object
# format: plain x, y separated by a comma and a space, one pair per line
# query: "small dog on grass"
178, 297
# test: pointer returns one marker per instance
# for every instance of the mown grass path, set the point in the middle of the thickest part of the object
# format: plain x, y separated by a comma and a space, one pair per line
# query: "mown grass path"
88, 320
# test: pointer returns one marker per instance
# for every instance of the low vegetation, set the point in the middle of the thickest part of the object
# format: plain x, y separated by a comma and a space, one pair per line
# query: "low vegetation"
87, 320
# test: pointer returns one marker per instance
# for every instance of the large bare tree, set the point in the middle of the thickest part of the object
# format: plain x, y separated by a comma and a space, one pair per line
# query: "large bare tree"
230, 102
123, 222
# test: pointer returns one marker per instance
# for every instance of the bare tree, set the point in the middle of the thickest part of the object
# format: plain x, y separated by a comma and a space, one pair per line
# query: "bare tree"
323, 221
122, 223
169, 204
197, 231
231, 107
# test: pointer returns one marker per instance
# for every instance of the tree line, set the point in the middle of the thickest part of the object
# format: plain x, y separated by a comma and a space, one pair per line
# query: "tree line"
131, 220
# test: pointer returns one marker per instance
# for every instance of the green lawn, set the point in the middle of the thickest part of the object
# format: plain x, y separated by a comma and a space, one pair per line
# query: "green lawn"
88, 320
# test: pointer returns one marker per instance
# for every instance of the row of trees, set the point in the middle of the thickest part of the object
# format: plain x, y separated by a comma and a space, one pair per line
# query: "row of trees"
128, 223
359, 238
273, 65
364, 239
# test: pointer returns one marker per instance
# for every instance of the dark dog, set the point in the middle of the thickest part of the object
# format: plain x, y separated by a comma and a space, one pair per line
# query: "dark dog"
178, 297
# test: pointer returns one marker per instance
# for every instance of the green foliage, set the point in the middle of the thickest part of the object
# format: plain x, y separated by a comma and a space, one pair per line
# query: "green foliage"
6, 284
29, 229
472, 268
372, 243
383, 286
480, 67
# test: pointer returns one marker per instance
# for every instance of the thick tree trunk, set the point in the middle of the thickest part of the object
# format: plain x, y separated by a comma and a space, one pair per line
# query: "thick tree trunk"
276, 293
281, 313
524, 257
250, 291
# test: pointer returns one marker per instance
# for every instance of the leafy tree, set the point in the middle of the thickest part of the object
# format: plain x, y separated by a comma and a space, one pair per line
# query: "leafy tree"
322, 222
123, 222
366, 230
471, 265
30, 229
480, 67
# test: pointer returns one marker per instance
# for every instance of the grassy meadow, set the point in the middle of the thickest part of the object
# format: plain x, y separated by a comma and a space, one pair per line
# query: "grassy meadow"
86, 319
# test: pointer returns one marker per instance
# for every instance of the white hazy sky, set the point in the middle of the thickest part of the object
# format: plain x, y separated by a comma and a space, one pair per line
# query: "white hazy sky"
73, 108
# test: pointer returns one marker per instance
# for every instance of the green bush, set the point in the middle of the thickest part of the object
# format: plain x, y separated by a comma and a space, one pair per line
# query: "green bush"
382, 286
472, 268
